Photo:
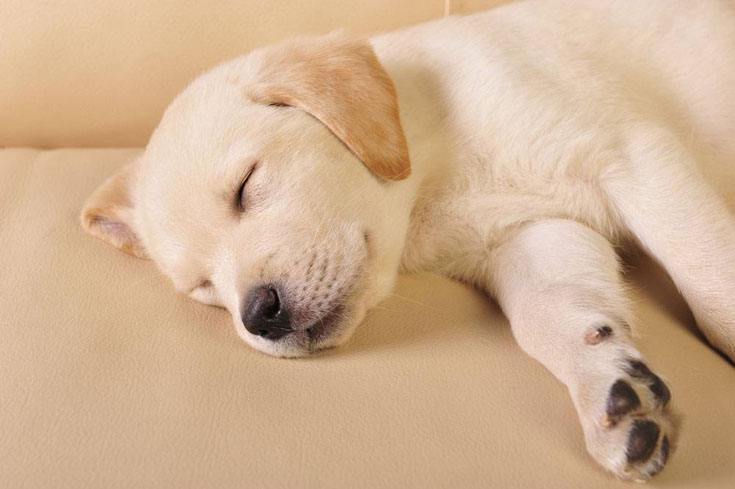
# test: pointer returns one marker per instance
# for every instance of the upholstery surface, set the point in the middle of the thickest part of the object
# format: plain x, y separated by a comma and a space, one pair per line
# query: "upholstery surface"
109, 379
100, 72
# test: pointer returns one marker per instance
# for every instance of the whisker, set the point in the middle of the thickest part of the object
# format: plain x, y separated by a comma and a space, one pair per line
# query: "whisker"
383, 308
414, 301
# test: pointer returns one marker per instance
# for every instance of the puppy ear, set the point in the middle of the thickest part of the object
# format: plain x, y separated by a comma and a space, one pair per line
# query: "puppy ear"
108, 212
340, 82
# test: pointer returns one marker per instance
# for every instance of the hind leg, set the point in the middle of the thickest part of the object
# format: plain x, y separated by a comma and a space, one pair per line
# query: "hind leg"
680, 220
558, 283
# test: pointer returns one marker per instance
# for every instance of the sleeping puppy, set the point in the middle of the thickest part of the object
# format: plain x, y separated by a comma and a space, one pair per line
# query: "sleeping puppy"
514, 150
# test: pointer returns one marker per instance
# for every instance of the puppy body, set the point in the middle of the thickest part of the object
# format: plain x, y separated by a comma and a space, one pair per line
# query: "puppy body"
531, 111
540, 135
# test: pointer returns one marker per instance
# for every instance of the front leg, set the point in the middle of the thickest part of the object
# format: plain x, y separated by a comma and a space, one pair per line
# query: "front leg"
558, 282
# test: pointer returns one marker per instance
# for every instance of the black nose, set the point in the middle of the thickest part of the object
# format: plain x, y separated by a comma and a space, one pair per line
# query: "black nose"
265, 315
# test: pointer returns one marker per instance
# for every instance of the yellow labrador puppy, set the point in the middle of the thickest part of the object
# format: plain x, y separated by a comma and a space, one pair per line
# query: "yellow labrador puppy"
514, 149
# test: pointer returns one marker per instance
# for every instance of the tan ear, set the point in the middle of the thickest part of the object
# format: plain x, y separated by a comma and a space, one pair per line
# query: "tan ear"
108, 212
340, 82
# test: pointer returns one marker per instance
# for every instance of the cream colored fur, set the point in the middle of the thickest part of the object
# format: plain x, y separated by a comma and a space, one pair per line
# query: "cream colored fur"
540, 136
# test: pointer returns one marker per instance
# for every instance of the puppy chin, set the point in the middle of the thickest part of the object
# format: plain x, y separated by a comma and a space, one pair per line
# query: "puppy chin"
291, 346
304, 343
341, 332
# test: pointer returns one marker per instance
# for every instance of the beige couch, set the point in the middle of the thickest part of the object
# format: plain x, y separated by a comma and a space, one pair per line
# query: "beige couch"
108, 379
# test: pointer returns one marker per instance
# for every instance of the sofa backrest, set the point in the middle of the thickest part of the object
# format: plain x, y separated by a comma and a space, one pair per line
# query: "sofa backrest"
101, 72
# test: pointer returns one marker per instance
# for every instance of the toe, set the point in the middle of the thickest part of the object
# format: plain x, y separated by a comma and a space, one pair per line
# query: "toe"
640, 371
642, 441
621, 401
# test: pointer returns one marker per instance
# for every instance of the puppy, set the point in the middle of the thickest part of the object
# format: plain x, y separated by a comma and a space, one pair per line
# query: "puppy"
513, 149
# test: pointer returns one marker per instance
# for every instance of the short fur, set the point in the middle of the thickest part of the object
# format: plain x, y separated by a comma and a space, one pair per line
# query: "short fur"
538, 137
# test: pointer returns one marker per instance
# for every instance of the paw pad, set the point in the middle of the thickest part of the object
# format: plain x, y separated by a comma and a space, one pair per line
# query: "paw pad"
621, 401
642, 441
598, 334
639, 370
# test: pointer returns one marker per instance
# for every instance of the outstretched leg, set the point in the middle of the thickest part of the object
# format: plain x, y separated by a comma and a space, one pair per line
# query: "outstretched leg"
683, 224
558, 283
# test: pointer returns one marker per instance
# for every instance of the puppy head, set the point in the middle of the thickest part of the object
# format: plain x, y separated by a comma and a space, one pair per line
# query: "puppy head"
271, 188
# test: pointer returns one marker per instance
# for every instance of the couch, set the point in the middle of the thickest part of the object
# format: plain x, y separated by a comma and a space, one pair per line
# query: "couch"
109, 379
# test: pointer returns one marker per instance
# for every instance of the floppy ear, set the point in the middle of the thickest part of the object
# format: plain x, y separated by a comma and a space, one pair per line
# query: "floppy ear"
340, 82
108, 212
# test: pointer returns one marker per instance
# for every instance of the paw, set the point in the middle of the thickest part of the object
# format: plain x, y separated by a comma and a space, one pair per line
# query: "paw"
631, 432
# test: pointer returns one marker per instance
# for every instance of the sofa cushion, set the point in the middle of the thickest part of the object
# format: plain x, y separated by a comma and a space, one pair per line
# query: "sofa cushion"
110, 379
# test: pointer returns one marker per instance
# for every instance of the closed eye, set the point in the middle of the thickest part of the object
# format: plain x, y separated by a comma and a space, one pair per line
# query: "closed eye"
241, 195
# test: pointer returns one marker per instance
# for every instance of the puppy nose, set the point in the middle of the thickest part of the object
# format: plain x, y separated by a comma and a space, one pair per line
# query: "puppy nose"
265, 315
